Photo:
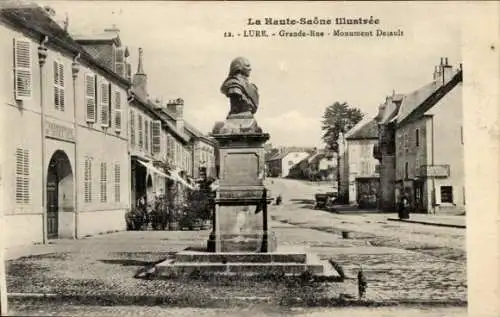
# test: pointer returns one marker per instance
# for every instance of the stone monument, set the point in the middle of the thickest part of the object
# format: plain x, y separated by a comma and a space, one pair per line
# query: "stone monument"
241, 240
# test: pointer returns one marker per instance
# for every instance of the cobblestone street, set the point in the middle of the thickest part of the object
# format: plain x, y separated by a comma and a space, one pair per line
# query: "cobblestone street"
408, 264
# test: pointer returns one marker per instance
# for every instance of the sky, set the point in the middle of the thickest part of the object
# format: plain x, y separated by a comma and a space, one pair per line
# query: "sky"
186, 55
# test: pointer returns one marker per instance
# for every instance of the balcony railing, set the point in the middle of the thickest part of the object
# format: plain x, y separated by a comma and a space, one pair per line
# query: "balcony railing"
442, 170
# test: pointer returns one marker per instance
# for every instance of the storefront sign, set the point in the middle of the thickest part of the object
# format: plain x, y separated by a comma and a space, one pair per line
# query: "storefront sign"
435, 171
56, 131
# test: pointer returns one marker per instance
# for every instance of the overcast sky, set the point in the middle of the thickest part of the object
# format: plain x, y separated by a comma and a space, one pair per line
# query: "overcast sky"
186, 55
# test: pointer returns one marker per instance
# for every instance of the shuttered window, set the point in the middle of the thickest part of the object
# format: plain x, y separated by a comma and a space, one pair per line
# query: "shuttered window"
118, 112
87, 180
117, 183
146, 135
104, 182
120, 61
23, 82
59, 99
139, 130
23, 176
132, 128
156, 136
90, 98
104, 104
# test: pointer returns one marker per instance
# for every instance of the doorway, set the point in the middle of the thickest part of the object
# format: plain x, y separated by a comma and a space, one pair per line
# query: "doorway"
60, 202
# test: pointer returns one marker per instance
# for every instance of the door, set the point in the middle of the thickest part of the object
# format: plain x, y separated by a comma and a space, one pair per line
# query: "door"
52, 204
419, 201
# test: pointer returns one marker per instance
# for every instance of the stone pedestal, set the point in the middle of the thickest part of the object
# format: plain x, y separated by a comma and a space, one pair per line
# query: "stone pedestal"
241, 220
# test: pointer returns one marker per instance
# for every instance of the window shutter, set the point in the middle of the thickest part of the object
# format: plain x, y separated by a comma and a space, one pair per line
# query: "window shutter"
151, 136
59, 86
88, 180
117, 183
120, 61
156, 136
132, 128
90, 98
139, 128
56, 85
104, 104
146, 135
118, 112
22, 69
22, 176
104, 180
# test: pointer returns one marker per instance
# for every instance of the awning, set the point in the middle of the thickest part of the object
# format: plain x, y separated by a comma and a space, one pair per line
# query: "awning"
174, 175
150, 167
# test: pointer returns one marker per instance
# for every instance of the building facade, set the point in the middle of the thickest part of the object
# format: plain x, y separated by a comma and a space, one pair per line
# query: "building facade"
64, 169
280, 164
360, 170
429, 144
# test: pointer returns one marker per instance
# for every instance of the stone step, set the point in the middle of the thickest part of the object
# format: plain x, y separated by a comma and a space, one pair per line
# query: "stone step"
241, 257
185, 268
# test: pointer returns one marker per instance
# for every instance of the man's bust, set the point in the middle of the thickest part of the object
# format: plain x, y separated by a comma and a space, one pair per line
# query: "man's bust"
243, 95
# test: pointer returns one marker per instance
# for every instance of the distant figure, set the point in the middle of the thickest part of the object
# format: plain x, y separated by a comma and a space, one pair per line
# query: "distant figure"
279, 199
362, 283
403, 208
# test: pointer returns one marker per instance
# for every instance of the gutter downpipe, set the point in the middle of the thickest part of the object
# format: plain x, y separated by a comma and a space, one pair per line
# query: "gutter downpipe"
432, 163
75, 69
42, 58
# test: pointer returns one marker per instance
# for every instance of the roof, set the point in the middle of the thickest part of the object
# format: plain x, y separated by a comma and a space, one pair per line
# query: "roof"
282, 154
412, 100
98, 37
425, 105
34, 20
366, 130
389, 108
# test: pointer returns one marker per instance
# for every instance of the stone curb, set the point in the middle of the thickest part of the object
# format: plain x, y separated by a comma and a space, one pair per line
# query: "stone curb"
428, 223
214, 302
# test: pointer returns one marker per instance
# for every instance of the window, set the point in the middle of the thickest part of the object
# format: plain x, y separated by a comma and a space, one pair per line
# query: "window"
151, 136
146, 135
90, 98
120, 61
461, 134
104, 183
417, 137
22, 176
139, 128
132, 128
447, 194
406, 141
104, 104
87, 179
118, 112
156, 136
22, 69
117, 183
406, 170
59, 85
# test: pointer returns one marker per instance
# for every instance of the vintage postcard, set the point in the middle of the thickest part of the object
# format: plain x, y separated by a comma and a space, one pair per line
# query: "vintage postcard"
288, 158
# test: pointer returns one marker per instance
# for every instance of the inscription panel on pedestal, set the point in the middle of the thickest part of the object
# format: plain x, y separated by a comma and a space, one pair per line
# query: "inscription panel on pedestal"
241, 168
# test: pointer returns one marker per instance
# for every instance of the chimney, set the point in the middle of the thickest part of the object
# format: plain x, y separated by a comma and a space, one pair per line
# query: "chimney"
447, 71
140, 82
176, 107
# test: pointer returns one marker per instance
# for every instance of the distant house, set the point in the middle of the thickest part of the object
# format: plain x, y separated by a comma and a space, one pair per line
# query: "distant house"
359, 177
280, 164
319, 165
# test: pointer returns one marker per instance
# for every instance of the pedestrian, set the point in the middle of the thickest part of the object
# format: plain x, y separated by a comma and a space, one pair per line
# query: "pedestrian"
404, 208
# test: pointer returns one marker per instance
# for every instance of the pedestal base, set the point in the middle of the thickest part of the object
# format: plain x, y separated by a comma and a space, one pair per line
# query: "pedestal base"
251, 243
287, 262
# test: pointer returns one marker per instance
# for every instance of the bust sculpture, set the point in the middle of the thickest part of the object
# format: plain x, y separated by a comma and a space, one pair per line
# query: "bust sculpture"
244, 100
243, 95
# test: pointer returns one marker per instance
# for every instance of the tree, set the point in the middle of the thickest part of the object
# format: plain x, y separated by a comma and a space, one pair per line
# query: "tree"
338, 117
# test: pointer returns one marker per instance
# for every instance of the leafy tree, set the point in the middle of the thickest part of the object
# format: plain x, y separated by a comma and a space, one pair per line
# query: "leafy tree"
338, 117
